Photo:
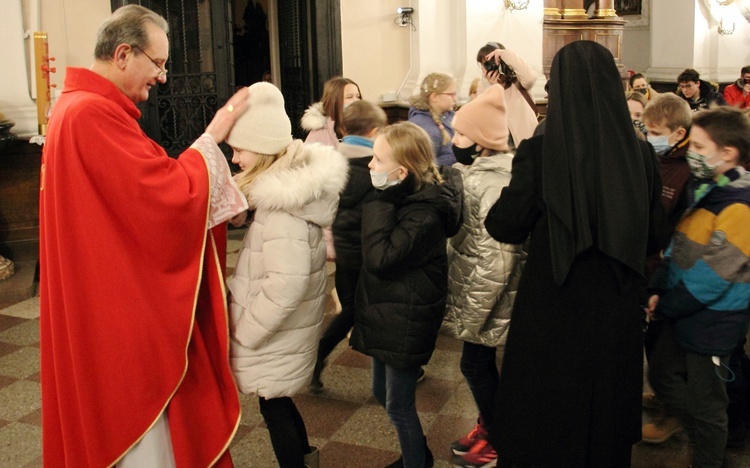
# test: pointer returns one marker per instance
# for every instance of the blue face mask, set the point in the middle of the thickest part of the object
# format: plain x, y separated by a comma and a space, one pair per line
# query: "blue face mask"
660, 143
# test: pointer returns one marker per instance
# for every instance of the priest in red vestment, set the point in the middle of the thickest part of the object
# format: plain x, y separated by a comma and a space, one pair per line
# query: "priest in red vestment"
134, 336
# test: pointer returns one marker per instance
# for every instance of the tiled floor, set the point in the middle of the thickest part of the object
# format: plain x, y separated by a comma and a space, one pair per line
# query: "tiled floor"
344, 421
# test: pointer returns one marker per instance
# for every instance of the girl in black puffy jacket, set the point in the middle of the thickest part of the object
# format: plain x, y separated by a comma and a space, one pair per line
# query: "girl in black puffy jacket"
400, 298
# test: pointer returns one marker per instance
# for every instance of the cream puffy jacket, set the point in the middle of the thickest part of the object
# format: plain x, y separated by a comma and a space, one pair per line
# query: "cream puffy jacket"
483, 273
278, 288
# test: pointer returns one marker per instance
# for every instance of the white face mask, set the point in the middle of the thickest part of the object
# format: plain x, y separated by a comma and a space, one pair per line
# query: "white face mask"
380, 179
700, 165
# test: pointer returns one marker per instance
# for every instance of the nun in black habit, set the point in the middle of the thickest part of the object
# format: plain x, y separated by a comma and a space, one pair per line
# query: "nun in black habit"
588, 192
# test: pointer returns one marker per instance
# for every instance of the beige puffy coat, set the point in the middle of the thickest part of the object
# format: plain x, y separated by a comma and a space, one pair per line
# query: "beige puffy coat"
278, 288
483, 273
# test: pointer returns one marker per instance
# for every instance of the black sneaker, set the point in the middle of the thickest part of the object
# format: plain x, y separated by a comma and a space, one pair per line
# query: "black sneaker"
422, 375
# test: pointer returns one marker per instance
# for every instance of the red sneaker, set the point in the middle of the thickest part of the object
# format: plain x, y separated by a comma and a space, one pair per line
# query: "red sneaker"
481, 455
464, 444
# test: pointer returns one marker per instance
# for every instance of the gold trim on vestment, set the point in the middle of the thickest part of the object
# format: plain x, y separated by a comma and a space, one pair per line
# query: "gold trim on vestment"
192, 322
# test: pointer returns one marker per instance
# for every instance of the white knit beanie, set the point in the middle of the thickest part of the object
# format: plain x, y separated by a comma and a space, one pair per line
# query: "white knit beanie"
264, 127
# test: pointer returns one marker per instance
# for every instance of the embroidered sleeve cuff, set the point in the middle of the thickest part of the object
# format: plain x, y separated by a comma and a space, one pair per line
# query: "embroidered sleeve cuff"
226, 198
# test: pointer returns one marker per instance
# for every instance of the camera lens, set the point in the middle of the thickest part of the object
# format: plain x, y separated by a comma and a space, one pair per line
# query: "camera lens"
490, 66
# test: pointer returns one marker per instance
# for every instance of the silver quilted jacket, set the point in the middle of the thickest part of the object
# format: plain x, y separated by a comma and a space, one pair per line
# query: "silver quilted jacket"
483, 274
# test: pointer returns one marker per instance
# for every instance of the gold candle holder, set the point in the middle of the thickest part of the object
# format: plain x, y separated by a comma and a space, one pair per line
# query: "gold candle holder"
42, 69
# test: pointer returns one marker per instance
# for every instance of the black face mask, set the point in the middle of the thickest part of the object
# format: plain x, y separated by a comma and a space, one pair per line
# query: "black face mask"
465, 156
643, 91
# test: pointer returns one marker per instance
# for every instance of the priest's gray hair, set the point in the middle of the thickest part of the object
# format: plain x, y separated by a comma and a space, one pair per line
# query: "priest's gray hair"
127, 25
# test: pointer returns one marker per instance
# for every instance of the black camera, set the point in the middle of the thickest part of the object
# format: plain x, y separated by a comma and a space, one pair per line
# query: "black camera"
506, 73
491, 66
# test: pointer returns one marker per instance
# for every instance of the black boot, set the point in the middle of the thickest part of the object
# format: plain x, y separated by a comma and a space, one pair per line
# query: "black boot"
316, 385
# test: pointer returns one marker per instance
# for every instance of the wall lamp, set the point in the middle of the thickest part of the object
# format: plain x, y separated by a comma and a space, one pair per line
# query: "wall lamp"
516, 4
725, 27
719, 10
405, 18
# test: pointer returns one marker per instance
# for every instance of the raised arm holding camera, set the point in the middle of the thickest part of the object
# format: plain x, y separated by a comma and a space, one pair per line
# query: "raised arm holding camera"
503, 66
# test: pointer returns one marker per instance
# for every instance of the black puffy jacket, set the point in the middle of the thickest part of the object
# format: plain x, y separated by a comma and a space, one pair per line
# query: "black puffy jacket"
400, 299
347, 227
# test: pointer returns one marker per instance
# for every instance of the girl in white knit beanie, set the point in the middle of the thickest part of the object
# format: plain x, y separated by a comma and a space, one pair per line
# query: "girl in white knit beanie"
278, 288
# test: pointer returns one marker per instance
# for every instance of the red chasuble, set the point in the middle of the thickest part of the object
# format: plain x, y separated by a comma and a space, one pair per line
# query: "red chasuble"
133, 314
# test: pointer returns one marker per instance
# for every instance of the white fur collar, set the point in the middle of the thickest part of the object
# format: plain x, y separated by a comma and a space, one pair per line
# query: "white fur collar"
304, 176
314, 117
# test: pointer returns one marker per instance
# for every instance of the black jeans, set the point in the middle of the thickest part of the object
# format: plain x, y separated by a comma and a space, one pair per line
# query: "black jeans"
737, 389
693, 389
346, 285
287, 430
480, 370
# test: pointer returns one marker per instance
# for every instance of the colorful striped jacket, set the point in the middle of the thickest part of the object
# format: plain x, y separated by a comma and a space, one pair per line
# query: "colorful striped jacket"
705, 280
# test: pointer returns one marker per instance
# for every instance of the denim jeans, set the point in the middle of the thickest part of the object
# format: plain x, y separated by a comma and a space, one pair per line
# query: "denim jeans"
395, 389
287, 431
480, 370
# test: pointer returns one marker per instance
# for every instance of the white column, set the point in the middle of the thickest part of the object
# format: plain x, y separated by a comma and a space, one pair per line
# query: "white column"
437, 42
685, 35
15, 97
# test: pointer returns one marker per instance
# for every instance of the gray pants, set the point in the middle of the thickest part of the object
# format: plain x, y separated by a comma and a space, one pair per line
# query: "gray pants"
691, 389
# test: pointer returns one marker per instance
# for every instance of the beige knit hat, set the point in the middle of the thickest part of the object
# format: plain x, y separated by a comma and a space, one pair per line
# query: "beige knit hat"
483, 120
264, 127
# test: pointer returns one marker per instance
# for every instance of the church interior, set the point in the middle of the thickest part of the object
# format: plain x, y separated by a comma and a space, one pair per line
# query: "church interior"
218, 46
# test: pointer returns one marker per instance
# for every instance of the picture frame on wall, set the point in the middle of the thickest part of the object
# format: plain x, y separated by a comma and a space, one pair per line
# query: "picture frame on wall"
634, 12
628, 7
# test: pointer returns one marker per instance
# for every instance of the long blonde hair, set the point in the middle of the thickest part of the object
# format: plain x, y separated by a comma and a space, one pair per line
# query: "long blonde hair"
434, 83
246, 177
413, 149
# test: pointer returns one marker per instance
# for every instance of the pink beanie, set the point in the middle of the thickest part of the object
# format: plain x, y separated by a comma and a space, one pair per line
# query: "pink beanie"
483, 120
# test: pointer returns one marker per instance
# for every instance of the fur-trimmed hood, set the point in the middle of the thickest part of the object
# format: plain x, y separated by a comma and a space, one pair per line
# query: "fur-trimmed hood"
314, 118
305, 181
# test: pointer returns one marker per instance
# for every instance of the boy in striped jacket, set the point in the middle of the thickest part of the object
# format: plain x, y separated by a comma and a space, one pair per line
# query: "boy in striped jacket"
702, 290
